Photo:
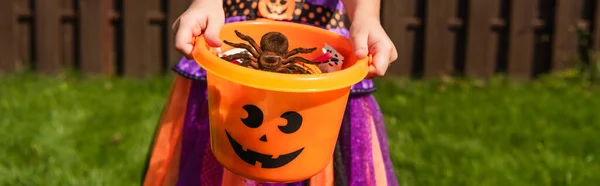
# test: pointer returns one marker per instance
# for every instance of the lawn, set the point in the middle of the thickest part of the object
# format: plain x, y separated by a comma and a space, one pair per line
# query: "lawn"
65, 131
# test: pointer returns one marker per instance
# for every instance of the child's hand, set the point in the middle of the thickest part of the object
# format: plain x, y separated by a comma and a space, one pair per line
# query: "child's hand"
202, 17
369, 37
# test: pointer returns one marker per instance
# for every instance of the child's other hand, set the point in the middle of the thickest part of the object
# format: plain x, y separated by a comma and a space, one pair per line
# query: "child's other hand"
369, 37
201, 18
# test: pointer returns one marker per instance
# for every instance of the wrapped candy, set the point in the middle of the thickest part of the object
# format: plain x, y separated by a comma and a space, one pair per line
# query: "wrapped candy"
233, 51
323, 58
334, 63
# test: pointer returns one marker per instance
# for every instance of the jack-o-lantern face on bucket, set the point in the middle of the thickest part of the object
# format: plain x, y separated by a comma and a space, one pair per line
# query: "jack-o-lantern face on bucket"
277, 9
267, 136
273, 127
255, 120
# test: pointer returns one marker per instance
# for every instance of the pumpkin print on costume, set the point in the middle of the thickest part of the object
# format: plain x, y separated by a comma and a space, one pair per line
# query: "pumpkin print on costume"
300, 11
277, 9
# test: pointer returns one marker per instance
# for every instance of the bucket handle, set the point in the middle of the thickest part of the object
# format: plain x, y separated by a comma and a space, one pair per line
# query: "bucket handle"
211, 49
369, 60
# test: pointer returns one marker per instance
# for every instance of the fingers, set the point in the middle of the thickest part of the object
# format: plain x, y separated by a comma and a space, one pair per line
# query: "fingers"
213, 30
359, 38
372, 72
381, 62
384, 53
183, 42
187, 29
393, 54
175, 25
366, 41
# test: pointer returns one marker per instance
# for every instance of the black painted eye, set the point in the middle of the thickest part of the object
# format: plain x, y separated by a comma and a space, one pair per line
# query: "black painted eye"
294, 121
255, 116
273, 1
282, 2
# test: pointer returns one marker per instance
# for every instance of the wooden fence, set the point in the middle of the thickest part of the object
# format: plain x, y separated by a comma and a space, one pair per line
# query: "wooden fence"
522, 38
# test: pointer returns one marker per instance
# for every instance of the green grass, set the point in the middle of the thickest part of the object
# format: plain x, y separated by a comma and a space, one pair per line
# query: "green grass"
64, 131
71, 132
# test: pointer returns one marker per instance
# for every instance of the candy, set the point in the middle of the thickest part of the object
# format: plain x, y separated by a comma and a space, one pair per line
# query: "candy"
323, 58
234, 51
334, 63
219, 53
331, 60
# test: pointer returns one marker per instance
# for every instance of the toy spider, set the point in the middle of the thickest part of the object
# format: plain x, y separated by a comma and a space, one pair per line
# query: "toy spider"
272, 54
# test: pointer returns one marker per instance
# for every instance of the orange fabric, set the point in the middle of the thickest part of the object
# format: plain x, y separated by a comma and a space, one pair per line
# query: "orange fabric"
325, 177
378, 164
168, 136
173, 170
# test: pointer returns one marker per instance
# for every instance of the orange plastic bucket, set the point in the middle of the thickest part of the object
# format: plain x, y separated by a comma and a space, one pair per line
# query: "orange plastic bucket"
275, 127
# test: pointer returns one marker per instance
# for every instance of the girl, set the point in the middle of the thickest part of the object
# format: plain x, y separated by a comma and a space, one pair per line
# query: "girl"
181, 152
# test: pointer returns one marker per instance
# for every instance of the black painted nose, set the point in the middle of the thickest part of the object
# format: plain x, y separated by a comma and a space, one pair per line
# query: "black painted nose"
263, 138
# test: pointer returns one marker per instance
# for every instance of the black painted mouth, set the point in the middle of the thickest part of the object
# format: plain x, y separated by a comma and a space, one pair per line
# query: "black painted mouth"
266, 161
278, 13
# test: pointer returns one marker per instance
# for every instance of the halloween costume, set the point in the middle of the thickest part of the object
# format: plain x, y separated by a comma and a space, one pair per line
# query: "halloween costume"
181, 155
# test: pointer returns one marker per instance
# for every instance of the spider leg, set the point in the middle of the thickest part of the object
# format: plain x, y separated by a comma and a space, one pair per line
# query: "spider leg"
249, 40
239, 56
245, 63
253, 64
249, 63
285, 70
299, 51
300, 69
295, 68
301, 59
244, 46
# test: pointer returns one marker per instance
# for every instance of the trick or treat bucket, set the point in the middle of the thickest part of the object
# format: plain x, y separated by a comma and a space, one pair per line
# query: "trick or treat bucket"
270, 126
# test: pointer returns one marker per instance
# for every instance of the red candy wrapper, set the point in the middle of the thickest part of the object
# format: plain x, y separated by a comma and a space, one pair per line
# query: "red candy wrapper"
323, 58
